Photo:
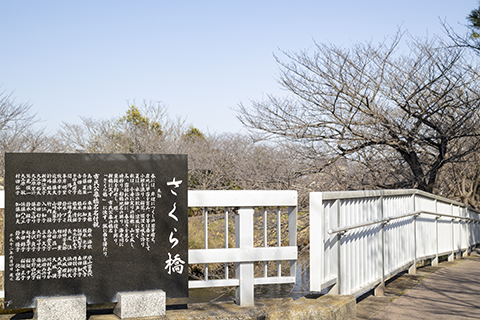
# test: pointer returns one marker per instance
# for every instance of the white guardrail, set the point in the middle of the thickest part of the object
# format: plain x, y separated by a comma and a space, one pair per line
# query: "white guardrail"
358, 239
245, 253
365, 237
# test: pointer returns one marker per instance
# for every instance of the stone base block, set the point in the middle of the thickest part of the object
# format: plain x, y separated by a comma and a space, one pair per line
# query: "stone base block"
140, 304
61, 308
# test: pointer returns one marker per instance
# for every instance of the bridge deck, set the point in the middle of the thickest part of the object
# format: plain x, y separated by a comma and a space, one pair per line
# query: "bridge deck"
450, 291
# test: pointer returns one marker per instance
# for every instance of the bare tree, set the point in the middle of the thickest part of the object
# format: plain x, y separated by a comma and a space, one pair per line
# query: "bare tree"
461, 181
256, 165
216, 162
471, 38
418, 110
145, 129
14, 115
17, 129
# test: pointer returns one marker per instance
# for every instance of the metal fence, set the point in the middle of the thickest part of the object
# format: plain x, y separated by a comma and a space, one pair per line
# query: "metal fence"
362, 238
243, 252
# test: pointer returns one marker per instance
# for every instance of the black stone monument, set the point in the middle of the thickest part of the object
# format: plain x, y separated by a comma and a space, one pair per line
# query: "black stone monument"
94, 224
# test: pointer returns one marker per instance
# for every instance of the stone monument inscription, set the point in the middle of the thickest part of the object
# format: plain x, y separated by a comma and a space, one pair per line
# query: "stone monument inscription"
94, 224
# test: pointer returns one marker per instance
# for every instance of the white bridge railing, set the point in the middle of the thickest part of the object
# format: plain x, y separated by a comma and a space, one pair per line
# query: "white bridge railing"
245, 253
358, 239
365, 237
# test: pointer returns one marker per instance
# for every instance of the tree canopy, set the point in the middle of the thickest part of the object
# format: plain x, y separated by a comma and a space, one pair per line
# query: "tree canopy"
403, 116
135, 118
474, 20
17, 129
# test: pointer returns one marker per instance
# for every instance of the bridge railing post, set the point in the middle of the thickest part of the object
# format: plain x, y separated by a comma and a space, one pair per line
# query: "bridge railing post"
336, 288
435, 260
451, 256
413, 268
380, 289
244, 293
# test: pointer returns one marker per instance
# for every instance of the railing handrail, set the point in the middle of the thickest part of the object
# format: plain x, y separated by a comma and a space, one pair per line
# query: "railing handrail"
339, 195
242, 198
387, 219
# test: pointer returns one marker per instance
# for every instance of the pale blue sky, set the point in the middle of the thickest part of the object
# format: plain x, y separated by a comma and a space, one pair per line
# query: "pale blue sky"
201, 58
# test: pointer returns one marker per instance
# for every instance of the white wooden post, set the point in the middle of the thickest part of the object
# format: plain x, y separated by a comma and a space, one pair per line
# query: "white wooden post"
317, 241
265, 239
226, 241
244, 270
279, 240
205, 234
336, 288
292, 234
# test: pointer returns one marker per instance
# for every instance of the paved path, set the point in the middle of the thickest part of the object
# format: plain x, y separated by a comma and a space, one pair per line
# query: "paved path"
451, 293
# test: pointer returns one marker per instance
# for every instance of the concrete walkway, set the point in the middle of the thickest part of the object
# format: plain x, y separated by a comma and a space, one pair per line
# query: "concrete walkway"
450, 291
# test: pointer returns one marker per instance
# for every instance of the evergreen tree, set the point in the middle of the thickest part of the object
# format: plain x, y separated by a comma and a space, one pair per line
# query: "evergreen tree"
474, 19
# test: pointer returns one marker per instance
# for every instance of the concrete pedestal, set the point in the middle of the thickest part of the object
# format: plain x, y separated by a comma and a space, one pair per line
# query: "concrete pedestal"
61, 308
140, 304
